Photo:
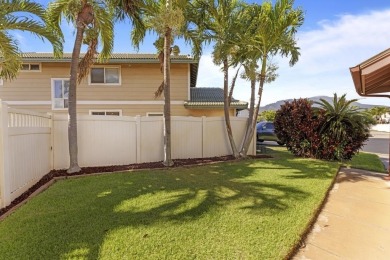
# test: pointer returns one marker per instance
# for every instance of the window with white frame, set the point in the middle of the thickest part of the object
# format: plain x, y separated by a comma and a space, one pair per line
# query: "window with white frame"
154, 114
35, 67
105, 112
60, 93
105, 76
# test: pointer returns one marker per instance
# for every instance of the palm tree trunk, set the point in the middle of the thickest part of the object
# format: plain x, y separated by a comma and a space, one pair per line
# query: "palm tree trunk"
167, 98
72, 101
249, 126
226, 107
256, 112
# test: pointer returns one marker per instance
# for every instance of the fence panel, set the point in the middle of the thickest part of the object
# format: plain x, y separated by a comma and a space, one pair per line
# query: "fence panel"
28, 150
215, 139
102, 141
186, 137
151, 139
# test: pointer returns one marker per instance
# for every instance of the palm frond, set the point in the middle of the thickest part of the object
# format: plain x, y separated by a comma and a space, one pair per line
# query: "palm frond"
11, 59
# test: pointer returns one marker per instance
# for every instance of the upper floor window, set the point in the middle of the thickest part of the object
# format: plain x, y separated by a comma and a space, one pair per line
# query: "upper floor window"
60, 93
105, 76
31, 67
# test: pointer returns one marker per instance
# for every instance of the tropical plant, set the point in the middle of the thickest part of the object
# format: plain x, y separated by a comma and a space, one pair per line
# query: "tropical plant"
221, 27
169, 19
297, 127
378, 112
344, 129
93, 21
270, 31
19, 15
267, 115
331, 131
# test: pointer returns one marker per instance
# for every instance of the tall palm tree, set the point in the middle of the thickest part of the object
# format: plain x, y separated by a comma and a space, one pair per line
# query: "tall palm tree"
11, 19
221, 27
169, 19
93, 20
270, 32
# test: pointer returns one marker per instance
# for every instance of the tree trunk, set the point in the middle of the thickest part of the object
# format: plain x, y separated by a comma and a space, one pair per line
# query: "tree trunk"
72, 101
252, 127
249, 125
226, 107
167, 98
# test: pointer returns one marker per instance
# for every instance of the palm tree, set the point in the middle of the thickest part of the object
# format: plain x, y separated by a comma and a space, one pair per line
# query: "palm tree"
221, 27
378, 112
169, 19
93, 20
341, 116
270, 31
11, 19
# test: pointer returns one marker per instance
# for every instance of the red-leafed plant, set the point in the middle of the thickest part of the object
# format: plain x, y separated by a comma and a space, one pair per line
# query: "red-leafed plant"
330, 131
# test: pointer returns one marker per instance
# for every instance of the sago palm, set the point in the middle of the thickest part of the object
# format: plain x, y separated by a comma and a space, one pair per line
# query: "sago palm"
19, 15
93, 21
341, 116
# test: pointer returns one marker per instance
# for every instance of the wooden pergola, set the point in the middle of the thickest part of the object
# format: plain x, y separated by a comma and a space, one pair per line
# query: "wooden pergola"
372, 79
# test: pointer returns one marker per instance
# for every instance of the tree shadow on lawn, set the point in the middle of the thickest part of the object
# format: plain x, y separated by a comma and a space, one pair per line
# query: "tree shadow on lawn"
81, 217
300, 168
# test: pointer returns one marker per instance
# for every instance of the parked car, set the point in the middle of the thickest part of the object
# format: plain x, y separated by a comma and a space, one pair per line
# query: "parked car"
266, 132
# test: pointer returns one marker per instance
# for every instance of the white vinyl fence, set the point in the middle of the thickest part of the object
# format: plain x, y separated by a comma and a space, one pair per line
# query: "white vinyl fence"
25, 154
32, 144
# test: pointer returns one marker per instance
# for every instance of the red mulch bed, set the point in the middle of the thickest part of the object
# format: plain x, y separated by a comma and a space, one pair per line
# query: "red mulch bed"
107, 169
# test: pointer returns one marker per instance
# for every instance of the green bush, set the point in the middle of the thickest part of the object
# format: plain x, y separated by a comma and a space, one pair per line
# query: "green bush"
330, 131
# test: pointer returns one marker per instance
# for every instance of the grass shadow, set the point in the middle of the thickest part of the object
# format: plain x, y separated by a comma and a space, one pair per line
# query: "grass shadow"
74, 218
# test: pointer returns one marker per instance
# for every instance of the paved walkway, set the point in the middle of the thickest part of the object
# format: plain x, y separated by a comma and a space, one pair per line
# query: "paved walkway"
355, 222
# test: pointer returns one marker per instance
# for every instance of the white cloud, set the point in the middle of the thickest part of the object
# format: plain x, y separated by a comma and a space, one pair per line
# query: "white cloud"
327, 53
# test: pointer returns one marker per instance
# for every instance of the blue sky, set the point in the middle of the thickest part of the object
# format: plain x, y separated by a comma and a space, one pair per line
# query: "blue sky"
336, 35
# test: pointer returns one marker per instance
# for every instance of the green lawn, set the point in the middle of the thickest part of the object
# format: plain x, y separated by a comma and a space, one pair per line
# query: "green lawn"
366, 161
254, 209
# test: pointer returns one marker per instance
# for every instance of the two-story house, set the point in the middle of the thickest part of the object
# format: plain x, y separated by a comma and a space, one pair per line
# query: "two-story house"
125, 85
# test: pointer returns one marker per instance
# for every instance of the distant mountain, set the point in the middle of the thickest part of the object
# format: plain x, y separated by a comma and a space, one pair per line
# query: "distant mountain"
276, 105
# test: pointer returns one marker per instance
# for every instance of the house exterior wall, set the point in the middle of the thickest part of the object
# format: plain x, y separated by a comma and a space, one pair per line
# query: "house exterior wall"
32, 90
210, 112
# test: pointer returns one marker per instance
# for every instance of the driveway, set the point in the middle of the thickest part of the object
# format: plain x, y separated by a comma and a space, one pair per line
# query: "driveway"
378, 143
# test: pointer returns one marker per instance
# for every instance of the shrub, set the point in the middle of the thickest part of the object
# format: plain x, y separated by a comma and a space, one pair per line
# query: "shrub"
344, 130
297, 126
332, 131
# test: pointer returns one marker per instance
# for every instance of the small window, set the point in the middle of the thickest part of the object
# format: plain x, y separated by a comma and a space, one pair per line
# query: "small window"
36, 67
105, 112
154, 114
60, 93
106, 75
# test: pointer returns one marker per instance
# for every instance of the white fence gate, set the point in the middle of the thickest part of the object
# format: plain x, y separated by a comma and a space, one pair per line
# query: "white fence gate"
32, 144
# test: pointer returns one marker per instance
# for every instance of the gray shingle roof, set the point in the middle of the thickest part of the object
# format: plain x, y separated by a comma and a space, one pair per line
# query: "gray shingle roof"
210, 98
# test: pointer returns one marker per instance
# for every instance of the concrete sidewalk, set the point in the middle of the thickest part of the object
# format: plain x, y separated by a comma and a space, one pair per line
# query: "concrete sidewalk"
355, 222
